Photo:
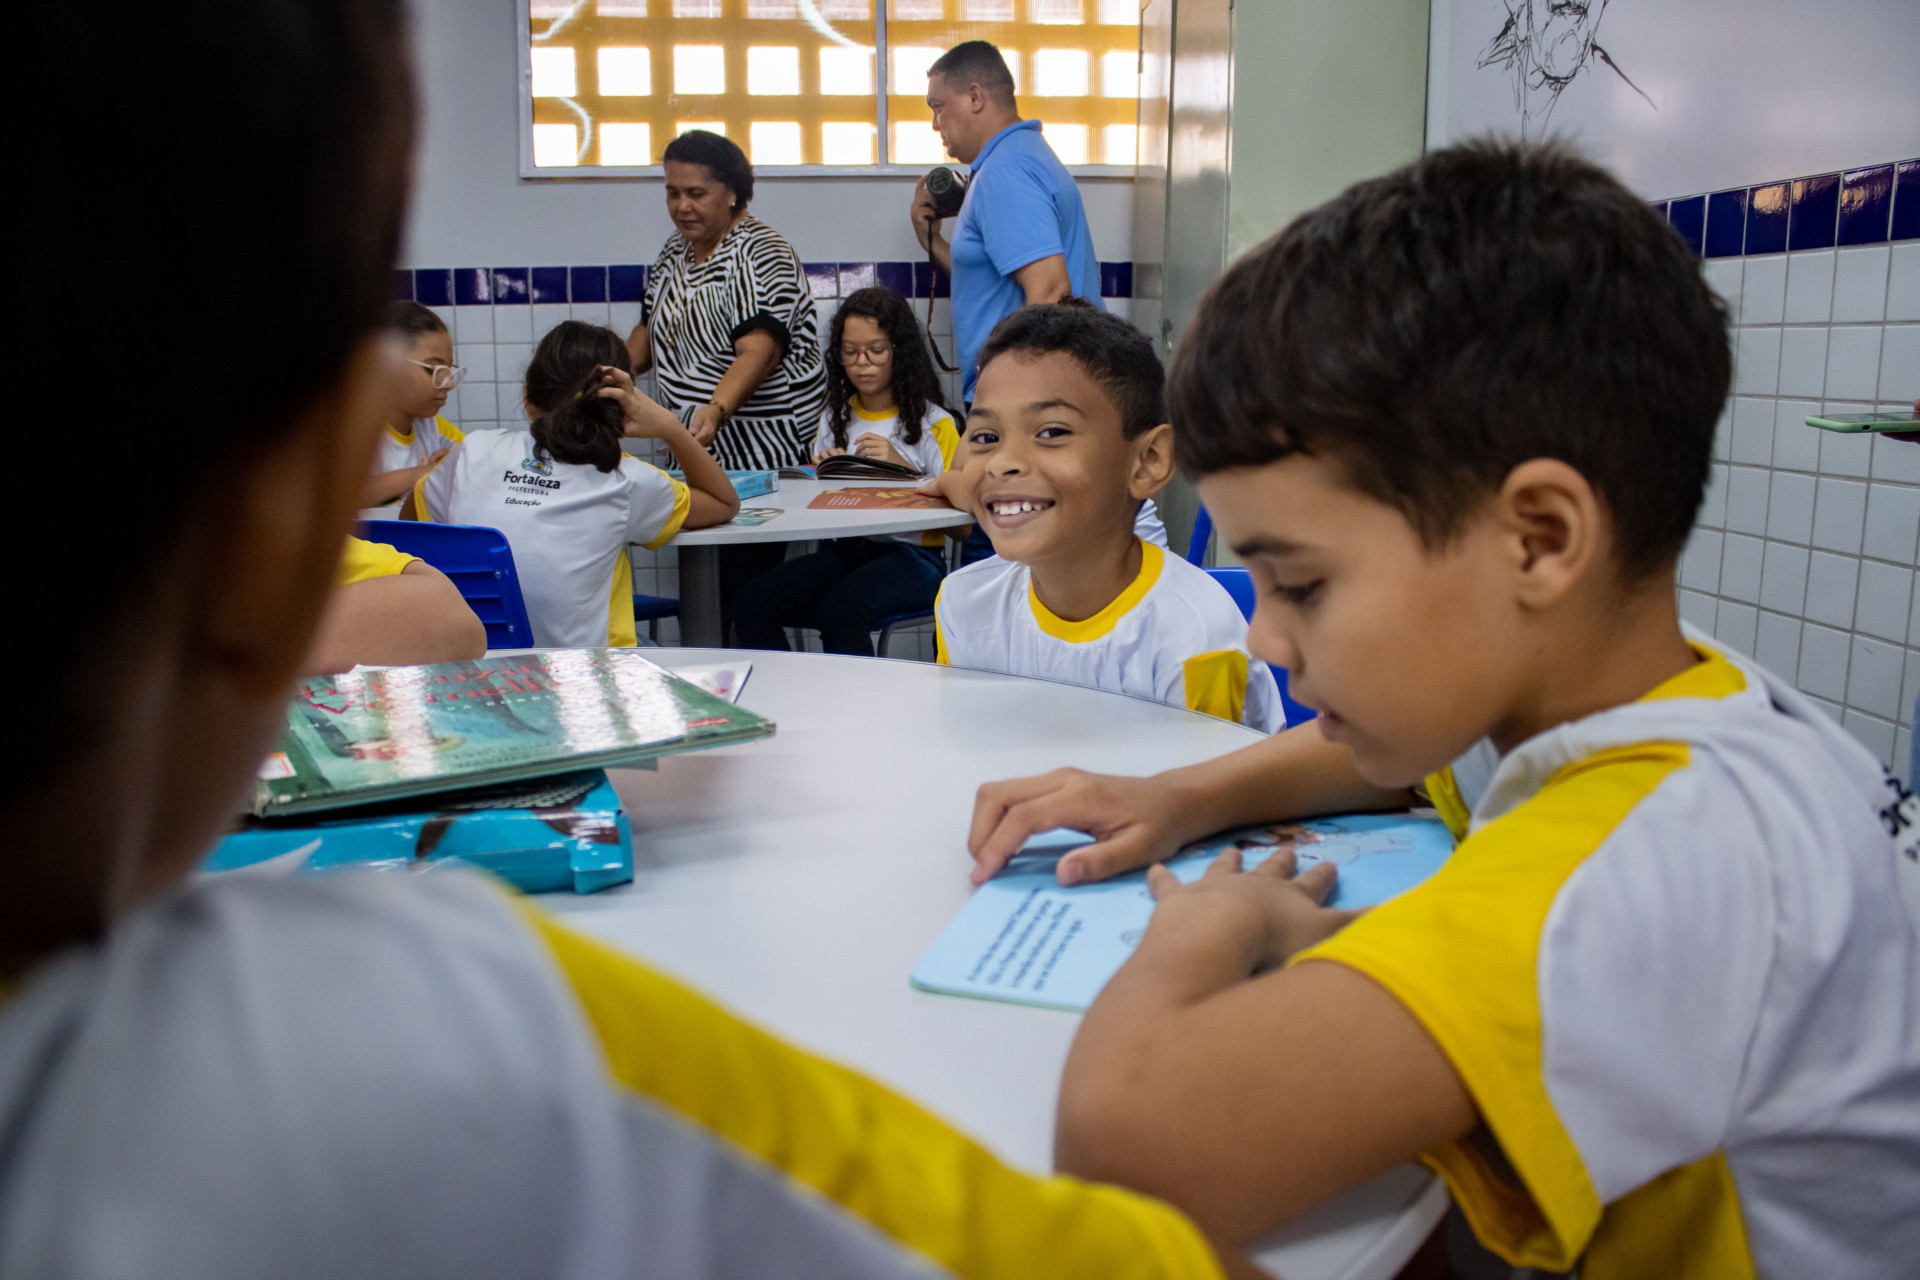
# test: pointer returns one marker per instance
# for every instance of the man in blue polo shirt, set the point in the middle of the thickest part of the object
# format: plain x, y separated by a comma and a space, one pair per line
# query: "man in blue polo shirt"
1021, 236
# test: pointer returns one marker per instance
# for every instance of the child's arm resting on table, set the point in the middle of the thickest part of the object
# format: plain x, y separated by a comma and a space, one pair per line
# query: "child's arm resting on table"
866, 1150
414, 616
713, 500
1136, 821
1243, 1093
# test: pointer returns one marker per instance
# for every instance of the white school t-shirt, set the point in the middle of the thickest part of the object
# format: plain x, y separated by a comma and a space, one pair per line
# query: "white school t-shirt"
568, 524
396, 451
932, 453
1174, 635
1675, 961
364, 1074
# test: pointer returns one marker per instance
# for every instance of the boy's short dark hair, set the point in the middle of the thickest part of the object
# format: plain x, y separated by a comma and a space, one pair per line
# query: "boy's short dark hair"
271, 143
1115, 355
1427, 331
722, 157
976, 62
411, 318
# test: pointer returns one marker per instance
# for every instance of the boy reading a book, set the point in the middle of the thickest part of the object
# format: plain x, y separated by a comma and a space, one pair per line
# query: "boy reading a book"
1067, 440
1659, 1015
355, 1074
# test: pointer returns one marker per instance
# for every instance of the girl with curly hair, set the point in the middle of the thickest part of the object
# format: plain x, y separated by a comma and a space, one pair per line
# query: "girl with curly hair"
883, 401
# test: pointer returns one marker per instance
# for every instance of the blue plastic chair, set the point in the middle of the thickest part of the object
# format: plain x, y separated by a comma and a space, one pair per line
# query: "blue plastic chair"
479, 562
1239, 585
650, 609
1201, 536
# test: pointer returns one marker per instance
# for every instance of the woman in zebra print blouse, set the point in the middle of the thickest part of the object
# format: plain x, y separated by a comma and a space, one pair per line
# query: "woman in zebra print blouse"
727, 322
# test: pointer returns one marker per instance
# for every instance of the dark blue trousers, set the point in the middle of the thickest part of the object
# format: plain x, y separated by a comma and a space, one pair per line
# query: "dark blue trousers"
842, 590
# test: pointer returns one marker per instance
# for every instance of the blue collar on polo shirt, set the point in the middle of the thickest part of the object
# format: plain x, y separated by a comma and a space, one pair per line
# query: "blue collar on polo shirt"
995, 141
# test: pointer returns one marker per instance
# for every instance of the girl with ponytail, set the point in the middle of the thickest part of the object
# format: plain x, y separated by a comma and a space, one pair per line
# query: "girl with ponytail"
568, 499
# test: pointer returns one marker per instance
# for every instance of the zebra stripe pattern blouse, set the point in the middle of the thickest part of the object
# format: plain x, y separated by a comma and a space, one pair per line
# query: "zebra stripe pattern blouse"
696, 311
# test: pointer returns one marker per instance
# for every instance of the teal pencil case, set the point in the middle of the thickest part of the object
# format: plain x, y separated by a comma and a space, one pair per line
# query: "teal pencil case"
553, 834
746, 484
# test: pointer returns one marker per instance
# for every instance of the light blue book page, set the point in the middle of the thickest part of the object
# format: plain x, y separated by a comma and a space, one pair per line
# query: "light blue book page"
1023, 938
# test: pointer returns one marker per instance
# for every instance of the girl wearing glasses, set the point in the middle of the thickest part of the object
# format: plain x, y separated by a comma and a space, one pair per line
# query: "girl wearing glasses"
883, 401
417, 437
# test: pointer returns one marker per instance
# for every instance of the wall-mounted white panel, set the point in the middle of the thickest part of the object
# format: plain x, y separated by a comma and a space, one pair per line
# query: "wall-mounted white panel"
1682, 96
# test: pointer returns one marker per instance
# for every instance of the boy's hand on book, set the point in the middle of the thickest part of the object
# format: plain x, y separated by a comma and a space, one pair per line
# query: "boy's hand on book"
952, 488
1127, 818
1272, 911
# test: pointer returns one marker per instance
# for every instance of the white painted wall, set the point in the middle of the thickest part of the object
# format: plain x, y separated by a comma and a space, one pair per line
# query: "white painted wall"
1742, 91
1804, 552
471, 207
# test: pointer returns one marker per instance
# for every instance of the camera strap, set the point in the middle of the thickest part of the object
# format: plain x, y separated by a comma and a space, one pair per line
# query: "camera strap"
933, 279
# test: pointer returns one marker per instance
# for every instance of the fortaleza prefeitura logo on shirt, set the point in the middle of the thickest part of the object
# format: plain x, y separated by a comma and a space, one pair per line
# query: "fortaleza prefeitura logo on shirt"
534, 479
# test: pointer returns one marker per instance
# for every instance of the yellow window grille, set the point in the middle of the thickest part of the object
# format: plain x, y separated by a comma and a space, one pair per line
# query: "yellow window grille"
802, 82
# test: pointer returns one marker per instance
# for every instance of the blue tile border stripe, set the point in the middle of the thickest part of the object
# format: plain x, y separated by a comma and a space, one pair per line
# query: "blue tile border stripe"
1872, 205
626, 282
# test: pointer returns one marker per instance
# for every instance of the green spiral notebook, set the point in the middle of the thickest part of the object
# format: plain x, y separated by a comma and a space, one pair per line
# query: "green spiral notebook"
386, 733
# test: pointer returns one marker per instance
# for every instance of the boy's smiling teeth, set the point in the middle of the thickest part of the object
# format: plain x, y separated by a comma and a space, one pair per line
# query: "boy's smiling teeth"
1016, 506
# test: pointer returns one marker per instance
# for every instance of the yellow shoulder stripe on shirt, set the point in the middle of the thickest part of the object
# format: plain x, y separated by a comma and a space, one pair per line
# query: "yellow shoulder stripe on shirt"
453, 434
940, 654
1686, 1222
947, 436
1461, 953
1712, 677
870, 1151
620, 626
1152, 558
362, 560
1216, 683
682, 503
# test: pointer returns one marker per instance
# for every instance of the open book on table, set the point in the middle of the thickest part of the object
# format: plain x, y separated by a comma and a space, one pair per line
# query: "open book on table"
850, 466
1024, 939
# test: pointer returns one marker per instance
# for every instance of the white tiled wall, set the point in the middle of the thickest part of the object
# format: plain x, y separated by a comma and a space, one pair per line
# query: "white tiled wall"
1804, 554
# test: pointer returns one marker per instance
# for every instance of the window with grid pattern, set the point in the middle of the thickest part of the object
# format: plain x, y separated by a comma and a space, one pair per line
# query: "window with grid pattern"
822, 83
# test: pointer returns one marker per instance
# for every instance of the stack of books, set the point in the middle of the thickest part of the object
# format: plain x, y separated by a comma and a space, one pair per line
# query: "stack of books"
498, 762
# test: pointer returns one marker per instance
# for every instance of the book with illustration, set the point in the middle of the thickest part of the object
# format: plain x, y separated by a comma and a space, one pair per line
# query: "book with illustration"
1024, 939
387, 733
877, 500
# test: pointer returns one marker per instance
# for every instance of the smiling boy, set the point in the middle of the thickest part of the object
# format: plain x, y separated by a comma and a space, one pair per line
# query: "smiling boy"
1066, 442
1660, 1013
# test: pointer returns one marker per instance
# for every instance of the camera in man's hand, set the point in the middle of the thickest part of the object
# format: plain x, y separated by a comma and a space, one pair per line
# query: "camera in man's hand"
948, 190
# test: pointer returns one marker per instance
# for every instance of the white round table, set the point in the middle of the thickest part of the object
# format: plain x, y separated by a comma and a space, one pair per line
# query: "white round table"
799, 879
700, 557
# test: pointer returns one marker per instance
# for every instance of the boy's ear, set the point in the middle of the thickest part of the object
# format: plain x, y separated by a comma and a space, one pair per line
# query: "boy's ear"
1556, 526
1152, 462
270, 546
